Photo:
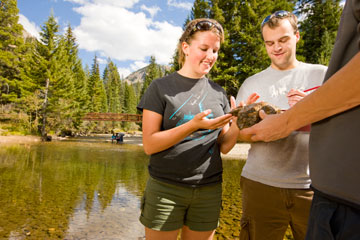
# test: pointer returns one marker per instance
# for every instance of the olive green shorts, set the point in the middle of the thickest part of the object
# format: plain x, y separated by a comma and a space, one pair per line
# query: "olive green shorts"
167, 207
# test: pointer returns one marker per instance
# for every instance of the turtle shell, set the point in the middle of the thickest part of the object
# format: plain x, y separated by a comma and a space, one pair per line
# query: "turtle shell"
249, 115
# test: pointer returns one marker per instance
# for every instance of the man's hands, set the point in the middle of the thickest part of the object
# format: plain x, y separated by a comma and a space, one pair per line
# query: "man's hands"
271, 128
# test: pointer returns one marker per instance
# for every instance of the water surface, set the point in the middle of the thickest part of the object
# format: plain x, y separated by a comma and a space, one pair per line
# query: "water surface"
87, 190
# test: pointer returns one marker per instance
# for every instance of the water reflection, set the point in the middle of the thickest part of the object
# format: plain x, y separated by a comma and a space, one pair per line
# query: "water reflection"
45, 187
87, 190
117, 221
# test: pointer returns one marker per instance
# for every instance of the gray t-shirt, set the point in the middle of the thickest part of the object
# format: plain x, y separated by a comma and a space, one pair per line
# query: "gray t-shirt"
195, 161
334, 141
283, 163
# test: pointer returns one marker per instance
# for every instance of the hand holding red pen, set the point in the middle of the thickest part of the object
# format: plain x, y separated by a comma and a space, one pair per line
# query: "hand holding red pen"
295, 96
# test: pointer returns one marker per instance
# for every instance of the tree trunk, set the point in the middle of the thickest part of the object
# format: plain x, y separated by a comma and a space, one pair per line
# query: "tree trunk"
44, 136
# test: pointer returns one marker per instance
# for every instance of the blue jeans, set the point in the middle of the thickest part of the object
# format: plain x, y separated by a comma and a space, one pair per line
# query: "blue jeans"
330, 220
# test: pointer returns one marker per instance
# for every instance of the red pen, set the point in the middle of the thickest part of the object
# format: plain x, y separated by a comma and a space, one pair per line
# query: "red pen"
311, 89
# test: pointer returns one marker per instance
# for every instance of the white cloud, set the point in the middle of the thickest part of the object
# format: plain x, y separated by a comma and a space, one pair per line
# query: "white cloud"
179, 4
124, 72
30, 27
116, 3
101, 60
77, 1
151, 10
123, 35
138, 64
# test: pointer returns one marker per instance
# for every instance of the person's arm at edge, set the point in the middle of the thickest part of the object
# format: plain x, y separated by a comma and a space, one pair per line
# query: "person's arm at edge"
339, 93
155, 140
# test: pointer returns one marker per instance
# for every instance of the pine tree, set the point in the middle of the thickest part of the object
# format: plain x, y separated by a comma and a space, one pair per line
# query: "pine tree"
319, 28
11, 51
61, 67
153, 71
122, 95
200, 9
79, 97
94, 78
112, 86
137, 89
223, 70
46, 73
96, 89
130, 104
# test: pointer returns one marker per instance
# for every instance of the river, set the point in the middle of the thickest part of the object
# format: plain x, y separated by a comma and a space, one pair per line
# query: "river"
87, 189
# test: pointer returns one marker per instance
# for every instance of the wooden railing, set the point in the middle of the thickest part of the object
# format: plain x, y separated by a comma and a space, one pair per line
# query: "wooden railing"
114, 117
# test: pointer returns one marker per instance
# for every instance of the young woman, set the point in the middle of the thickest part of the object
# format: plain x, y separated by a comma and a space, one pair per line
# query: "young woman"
185, 127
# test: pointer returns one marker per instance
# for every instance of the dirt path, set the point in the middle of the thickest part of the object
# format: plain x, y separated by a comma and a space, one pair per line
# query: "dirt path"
239, 151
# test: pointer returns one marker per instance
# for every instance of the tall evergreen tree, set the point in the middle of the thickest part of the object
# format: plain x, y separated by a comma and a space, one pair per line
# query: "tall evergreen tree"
130, 104
96, 89
137, 89
200, 9
80, 100
153, 71
49, 73
223, 71
11, 51
112, 86
122, 94
319, 28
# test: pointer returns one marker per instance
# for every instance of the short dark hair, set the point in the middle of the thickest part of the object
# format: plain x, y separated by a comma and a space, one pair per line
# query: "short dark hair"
274, 21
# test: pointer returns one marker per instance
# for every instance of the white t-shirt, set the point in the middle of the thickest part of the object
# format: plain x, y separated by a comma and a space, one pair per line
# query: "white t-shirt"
283, 163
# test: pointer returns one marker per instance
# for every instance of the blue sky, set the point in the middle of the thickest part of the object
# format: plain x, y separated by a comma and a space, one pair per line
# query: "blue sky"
127, 31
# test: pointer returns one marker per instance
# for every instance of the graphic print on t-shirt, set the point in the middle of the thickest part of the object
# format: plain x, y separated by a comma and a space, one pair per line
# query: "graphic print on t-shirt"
192, 100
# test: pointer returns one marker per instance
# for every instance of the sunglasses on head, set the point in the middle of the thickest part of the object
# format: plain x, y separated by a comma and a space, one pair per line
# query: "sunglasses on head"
277, 14
205, 25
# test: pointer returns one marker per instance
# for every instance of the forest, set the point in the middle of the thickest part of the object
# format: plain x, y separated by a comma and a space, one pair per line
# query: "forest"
45, 88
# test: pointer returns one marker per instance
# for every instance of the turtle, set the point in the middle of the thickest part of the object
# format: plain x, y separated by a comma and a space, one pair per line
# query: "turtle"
248, 115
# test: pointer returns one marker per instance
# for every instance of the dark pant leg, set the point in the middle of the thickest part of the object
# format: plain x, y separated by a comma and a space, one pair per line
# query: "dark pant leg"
330, 220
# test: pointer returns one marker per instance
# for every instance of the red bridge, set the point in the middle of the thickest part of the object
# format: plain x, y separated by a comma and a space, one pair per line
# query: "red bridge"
113, 117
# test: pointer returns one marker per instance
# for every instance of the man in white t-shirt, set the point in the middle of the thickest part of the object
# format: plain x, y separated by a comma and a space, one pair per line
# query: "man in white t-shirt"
275, 180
